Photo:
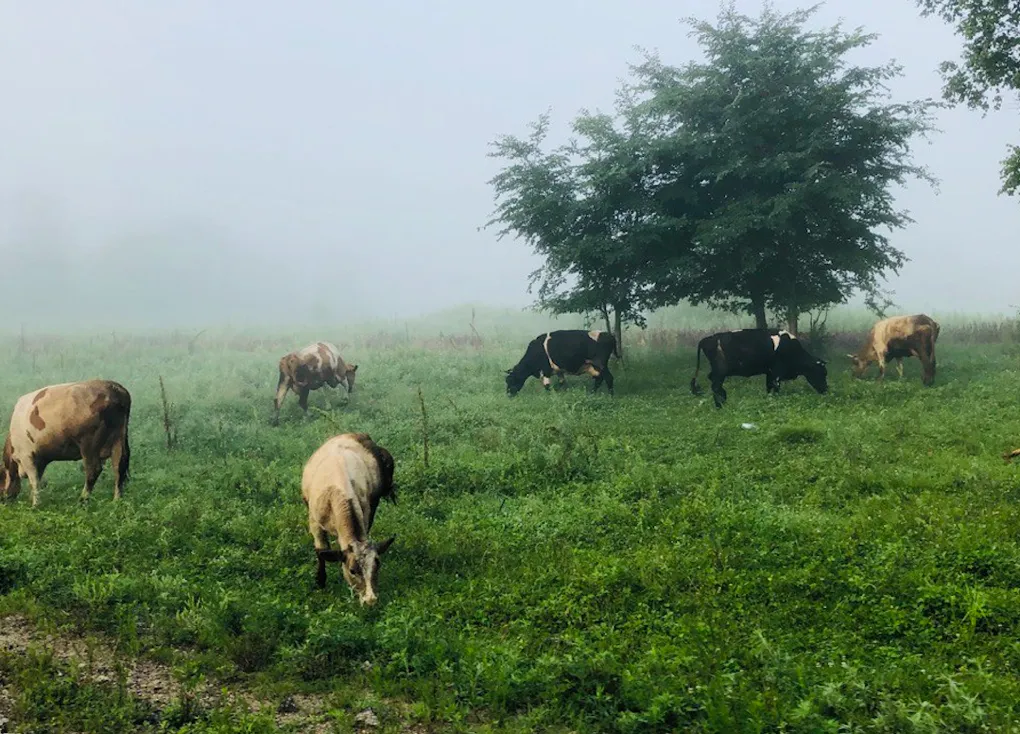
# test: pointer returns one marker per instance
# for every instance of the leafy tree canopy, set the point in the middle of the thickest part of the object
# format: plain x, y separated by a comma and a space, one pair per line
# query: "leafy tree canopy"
797, 156
759, 178
585, 207
990, 64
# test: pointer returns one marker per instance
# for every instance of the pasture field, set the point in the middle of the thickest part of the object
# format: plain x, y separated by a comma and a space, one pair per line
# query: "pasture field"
563, 562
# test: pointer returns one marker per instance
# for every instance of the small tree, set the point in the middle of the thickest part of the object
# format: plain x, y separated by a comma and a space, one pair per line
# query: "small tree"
795, 159
991, 62
584, 208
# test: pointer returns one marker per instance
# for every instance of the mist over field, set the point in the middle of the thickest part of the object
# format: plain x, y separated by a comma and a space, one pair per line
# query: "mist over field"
200, 164
593, 532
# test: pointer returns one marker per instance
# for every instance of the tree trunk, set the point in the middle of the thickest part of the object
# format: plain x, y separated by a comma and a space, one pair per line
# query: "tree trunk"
792, 321
618, 333
605, 315
758, 309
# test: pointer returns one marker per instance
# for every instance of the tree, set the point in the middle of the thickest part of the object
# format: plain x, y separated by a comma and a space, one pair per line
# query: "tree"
991, 62
796, 157
584, 208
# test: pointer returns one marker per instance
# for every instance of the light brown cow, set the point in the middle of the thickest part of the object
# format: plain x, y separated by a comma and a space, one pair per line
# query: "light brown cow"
341, 485
898, 337
309, 369
67, 422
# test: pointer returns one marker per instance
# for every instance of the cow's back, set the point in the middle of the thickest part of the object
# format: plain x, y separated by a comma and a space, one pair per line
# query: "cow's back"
52, 416
342, 461
898, 327
311, 366
340, 470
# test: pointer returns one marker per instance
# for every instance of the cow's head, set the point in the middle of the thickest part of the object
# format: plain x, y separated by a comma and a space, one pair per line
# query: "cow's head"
816, 373
515, 379
859, 364
348, 376
360, 565
10, 474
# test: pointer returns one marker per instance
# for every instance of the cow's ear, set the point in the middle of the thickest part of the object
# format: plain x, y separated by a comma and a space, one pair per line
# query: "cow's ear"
509, 371
385, 545
354, 368
822, 361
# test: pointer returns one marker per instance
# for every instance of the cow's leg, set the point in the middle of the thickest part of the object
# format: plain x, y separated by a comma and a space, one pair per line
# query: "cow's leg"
604, 373
927, 368
562, 383
321, 539
546, 382
120, 458
881, 368
303, 399
33, 472
899, 367
93, 468
281, 392
718, 391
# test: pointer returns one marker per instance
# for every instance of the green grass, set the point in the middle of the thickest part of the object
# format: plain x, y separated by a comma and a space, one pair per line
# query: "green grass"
565, 561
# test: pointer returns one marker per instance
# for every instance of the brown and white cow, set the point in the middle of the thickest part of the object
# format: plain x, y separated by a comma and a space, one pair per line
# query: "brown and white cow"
341, 485
309, 369
898, 337
74, 420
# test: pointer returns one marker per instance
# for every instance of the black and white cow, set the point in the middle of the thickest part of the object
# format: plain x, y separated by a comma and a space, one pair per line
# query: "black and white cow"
567, 351
776, 354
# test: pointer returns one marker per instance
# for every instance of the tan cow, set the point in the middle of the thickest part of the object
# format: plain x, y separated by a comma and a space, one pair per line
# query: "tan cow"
341, 485
67, 422
309, 369
898, 337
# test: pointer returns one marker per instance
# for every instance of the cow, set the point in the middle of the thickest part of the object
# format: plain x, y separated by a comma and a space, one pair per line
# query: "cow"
341, 486
898, 337
309, 369
73, 420
563, 352
777, 354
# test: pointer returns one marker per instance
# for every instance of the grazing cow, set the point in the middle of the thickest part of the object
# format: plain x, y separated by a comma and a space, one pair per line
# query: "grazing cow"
898, 337
67, 422
309, 369
567, 351
341, 485
778, 355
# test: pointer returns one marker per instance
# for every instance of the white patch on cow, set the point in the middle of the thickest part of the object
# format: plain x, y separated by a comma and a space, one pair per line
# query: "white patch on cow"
789, 334
594, 335
590, 369
775, 341
545, 379
552, 365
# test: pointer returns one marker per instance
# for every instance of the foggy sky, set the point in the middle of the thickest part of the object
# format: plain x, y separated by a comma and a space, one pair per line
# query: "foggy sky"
341, 147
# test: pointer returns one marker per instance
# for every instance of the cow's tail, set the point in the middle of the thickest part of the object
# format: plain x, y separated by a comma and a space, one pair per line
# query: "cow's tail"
119, 412
695, 390
124, 464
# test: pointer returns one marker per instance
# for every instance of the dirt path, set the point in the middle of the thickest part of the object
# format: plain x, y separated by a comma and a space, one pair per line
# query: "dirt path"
154, 682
